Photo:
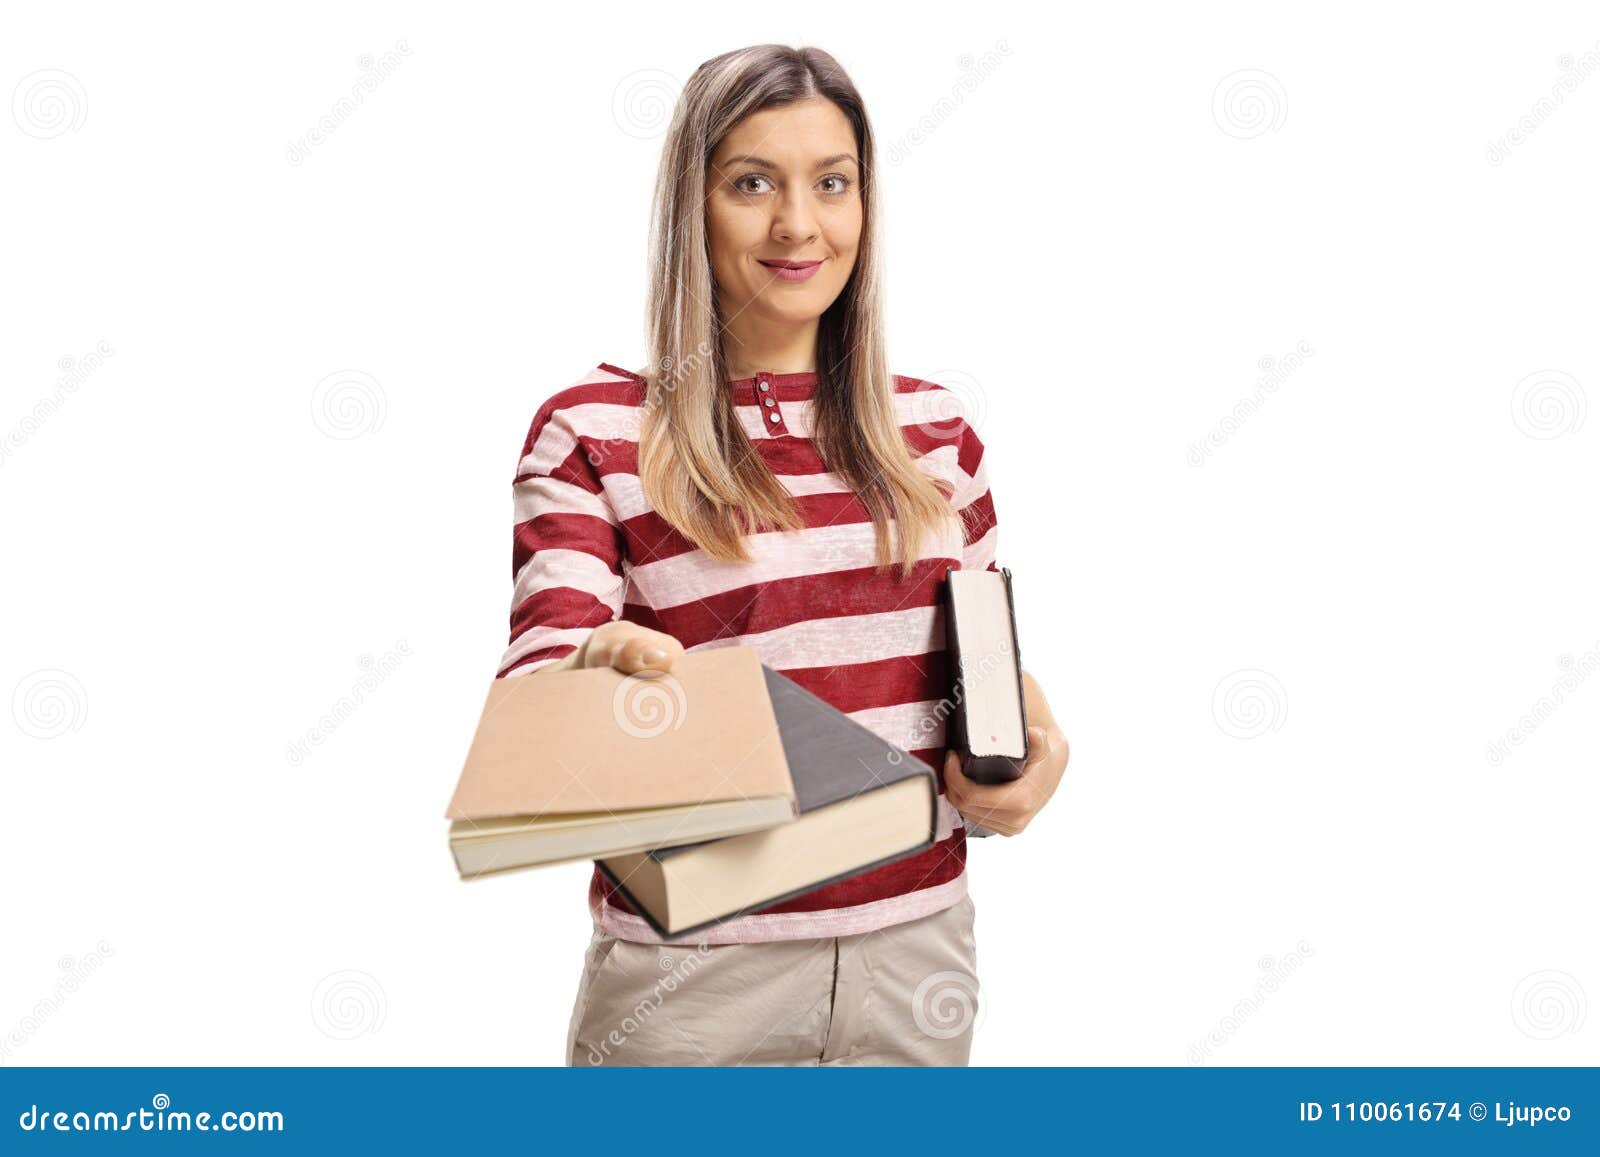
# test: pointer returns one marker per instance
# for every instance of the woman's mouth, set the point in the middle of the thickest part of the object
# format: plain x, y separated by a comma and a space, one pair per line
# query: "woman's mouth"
792, 270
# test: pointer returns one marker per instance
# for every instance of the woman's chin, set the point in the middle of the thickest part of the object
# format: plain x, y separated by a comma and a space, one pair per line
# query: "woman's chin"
791, 312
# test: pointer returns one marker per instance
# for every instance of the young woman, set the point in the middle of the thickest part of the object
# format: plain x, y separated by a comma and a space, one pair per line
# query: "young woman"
766, 482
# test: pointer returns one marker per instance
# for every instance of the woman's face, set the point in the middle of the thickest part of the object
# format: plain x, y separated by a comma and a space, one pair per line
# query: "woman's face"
783, 209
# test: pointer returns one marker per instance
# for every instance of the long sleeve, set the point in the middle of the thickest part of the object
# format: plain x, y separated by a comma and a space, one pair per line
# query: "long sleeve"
980, 529
975, 503
567, 554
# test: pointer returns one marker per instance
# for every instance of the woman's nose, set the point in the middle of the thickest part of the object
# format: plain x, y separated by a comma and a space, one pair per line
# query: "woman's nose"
794, 221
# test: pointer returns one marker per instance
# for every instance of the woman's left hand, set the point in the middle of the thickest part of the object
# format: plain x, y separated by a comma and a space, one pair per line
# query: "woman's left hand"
1007, 808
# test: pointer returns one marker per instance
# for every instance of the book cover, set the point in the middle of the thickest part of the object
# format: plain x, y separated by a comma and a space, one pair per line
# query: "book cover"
832, 758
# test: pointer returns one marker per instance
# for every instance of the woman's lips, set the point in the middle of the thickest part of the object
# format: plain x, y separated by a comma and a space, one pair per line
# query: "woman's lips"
793, 270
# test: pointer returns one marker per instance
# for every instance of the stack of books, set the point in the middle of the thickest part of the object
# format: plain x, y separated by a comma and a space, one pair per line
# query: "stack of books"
718, 788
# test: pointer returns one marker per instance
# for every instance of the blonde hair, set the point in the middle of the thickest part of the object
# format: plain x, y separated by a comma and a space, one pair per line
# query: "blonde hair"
697, 465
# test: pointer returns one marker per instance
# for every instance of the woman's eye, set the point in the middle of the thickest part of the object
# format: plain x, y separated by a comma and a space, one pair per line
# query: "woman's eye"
753, 183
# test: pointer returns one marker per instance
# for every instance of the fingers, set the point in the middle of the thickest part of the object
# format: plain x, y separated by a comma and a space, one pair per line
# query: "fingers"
630, 648
1038, 745
1038, 741
955, 780
650, 651
1001, 807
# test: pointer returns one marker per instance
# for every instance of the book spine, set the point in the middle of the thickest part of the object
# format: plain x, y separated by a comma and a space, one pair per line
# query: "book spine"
991, 768
1017, 765
756, 907
956, 730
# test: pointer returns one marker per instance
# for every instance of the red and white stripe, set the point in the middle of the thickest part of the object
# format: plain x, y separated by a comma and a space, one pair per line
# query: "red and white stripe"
588, 548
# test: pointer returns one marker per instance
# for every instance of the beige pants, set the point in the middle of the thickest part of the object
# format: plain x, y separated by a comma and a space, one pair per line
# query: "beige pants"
903, 995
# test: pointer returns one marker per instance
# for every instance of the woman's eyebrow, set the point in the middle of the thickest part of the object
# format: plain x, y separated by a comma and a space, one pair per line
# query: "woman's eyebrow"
763, 163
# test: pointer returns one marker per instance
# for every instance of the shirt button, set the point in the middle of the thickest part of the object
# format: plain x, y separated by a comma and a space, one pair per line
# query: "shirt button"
774, 417
768, 401
763, 383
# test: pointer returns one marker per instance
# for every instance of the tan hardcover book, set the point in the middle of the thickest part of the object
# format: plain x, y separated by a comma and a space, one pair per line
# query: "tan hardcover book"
864, 802
575, 765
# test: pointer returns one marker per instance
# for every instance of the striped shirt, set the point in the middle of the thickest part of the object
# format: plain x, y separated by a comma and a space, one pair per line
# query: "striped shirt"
588, 548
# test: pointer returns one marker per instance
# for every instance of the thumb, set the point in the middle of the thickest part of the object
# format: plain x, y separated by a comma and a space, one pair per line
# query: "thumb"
954, 777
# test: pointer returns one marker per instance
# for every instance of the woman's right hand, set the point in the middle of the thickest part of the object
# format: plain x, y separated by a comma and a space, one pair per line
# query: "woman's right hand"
626, 646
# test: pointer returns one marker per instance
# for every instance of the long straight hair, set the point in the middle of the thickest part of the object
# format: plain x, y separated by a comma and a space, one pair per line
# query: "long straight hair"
697, 465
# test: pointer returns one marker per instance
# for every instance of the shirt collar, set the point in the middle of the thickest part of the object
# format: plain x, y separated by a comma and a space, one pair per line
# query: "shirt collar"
782, 387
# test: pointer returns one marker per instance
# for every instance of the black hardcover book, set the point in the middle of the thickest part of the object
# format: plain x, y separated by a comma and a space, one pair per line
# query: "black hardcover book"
863, 802
989, 722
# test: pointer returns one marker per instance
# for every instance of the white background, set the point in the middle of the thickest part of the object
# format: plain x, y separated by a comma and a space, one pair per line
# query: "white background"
1281, 669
